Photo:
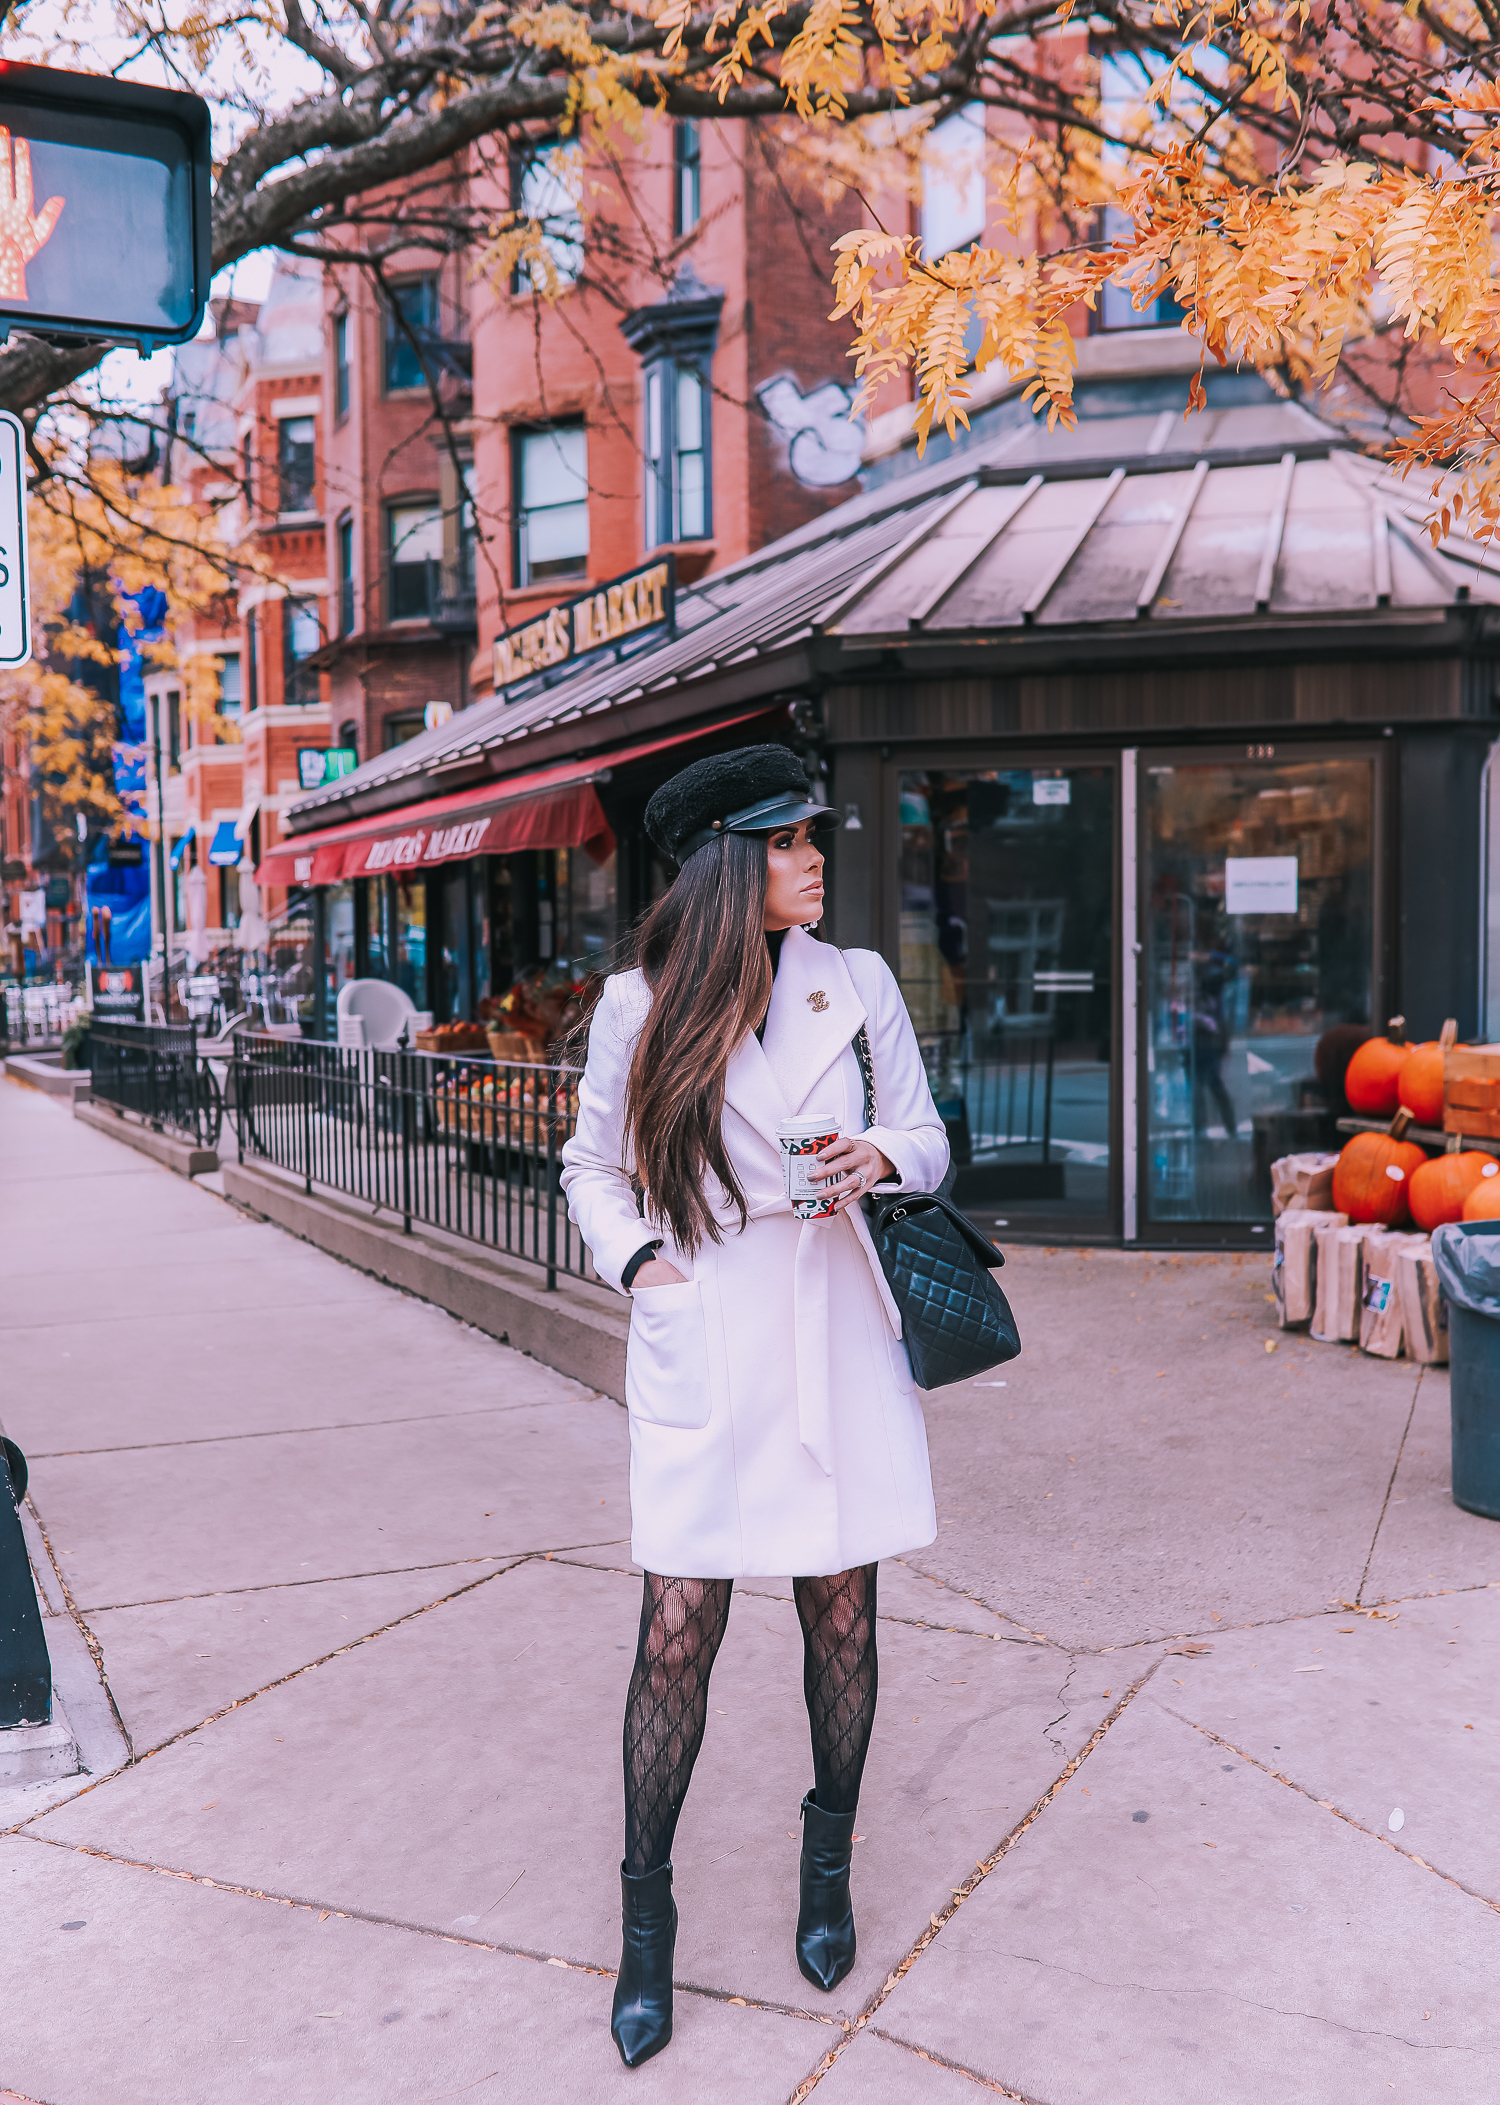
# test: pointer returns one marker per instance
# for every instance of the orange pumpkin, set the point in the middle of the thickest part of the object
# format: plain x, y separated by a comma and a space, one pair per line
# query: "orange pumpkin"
1372, 1175
1483, 1202
1371, 1082
1440, 1187
1419, 1084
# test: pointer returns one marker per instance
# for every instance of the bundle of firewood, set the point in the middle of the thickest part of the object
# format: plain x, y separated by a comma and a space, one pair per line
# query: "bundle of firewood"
1358, 1284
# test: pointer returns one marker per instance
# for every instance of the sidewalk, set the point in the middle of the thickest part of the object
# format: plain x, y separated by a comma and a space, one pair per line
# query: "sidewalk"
1200, 1616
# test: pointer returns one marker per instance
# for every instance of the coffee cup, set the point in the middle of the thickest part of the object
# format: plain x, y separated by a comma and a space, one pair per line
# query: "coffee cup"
800, 1139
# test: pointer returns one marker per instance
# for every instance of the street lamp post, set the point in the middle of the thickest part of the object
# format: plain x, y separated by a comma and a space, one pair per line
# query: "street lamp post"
161, 855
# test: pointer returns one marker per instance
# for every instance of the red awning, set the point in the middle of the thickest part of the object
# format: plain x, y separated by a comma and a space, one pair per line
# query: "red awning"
555, 807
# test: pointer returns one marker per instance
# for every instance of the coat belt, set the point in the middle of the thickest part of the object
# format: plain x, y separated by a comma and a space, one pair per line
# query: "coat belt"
811, 1313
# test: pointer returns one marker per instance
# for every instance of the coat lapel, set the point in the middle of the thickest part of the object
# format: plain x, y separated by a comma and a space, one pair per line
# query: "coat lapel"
750, 1091
814, 1014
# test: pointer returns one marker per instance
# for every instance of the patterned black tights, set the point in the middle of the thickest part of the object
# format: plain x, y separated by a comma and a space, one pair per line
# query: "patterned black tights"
840, 1679
682, 1627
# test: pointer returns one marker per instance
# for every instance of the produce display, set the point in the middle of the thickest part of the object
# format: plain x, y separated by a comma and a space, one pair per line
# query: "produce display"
1372, 1175
1372, 1078
1419, 1082
1353, 1260
454, 1038
1483, 1202
495, 1108
1362, 1282
1440, 1187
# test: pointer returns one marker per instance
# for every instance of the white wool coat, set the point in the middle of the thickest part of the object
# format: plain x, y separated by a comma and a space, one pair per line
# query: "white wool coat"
774, 1424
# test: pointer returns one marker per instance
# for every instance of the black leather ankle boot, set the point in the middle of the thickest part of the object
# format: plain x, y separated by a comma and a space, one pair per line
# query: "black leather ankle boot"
642, 2017
825, 1921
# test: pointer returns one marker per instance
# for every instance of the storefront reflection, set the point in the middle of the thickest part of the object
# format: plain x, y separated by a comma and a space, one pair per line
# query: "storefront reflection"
1259, 935
1006, 929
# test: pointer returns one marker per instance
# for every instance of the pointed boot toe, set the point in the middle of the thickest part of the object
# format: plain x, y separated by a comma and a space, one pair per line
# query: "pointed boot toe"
641, 2021
825, 1920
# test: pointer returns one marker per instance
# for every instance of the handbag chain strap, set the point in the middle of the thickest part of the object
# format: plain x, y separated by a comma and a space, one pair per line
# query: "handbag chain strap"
867, 1075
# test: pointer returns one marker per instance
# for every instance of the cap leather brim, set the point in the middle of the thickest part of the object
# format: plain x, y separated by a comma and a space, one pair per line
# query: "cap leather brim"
791, 811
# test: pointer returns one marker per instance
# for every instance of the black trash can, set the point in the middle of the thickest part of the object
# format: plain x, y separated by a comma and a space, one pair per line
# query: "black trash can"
1467, 1255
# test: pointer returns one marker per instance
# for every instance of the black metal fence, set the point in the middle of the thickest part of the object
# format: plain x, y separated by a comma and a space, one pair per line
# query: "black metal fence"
471, 1147
154, 1070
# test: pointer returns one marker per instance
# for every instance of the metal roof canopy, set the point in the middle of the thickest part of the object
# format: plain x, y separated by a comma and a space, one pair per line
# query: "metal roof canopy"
1138, 534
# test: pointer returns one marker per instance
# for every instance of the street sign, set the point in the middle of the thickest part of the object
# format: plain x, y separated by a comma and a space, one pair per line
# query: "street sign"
319, 764
104, 208
15, 575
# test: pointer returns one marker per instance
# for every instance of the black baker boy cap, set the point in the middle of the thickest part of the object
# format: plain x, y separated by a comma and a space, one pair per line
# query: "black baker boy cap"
758, 789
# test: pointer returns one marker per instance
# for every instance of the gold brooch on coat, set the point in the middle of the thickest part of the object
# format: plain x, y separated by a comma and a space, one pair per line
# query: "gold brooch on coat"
817, 1000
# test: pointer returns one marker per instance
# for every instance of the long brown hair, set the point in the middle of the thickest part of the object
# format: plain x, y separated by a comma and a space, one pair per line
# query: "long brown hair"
702, 948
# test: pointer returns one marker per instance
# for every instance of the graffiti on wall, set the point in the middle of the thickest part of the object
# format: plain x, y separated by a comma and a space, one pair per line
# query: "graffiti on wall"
823, 446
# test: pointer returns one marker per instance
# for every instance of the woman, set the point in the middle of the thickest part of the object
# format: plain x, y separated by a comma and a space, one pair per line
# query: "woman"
774, 1425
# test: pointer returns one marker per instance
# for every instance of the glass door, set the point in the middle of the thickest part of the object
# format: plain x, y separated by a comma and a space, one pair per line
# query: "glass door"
1007, 940
1258, 917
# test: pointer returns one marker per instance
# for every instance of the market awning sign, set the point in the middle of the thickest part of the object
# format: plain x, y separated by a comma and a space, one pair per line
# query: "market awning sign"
627, 606
104, 208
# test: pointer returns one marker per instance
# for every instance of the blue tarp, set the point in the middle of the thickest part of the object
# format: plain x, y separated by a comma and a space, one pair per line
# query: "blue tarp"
127, 891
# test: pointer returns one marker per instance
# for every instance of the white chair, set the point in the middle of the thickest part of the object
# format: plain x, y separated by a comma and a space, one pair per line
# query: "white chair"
383, 1014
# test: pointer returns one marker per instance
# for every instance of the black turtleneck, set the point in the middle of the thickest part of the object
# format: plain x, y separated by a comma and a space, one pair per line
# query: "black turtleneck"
775, 937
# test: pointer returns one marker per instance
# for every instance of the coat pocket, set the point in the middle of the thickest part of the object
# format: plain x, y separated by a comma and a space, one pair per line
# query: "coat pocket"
900, 1361
666, 1359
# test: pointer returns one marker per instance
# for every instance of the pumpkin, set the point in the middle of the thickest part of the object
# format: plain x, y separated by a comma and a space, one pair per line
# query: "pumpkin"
1371, 1080
1440, 1187
1371, 1176
1483, 1202
1419, 1084
1331, 1057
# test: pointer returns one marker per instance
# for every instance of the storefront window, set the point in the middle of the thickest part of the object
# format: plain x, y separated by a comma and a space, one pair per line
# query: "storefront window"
1258, 923
410, 972
1006, 946
380, 939
338, 946
451, 994
586, 890
289, 990
481, 927
230, 880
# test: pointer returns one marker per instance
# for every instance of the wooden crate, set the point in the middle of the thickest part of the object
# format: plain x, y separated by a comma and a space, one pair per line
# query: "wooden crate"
1471, 1090
512, 1048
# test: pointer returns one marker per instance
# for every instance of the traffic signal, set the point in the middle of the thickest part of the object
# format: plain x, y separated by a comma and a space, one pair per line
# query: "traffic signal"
104, 208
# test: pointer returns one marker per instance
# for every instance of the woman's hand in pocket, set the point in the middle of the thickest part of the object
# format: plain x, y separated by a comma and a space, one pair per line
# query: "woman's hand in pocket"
657, 1272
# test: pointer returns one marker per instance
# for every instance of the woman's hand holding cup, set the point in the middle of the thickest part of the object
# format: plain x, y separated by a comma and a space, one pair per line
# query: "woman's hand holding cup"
856, 1164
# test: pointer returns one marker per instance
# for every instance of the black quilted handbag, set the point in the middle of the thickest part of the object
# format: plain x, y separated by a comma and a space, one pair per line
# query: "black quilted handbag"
954, 1319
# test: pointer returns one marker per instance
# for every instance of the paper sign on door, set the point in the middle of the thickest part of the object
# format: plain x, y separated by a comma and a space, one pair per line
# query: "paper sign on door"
1051, 789
1260, 884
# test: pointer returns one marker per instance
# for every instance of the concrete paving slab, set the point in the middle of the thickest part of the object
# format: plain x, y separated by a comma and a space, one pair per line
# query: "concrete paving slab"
875, 2071
129, 1989
174, 1663
503, 1822
904, 1594
1111, 1493
1236, 1943
154, 1285
127, 1530
1370, 1713
1425, 1540
358, 1355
